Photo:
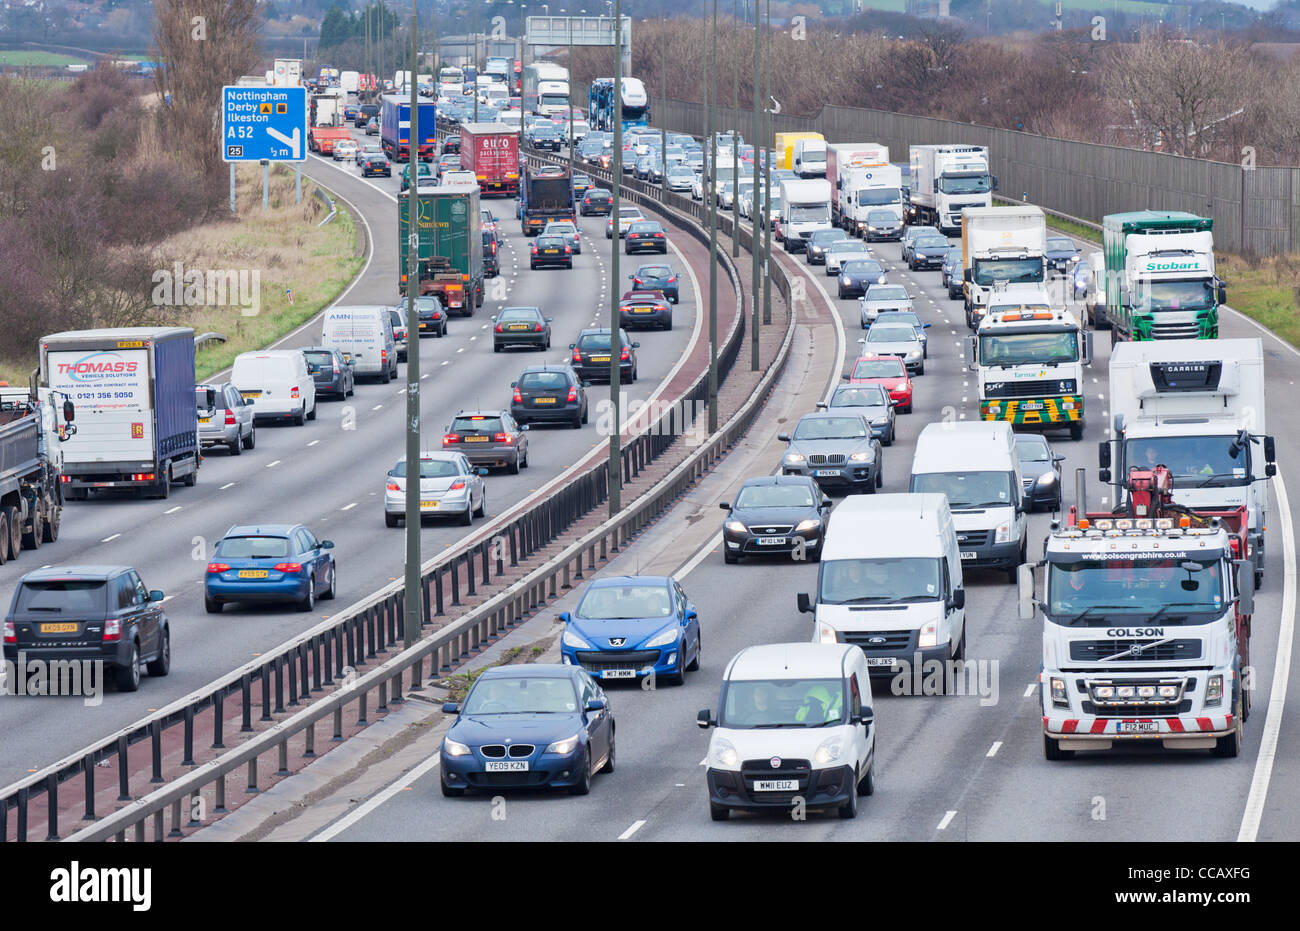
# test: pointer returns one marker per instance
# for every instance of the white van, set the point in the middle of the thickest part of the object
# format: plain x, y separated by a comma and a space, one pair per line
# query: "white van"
365, 337
794, 727
984, 493
890, 582
278, 384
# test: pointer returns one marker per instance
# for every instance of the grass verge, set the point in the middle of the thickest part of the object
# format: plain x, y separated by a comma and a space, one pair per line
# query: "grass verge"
1265, 290
19, 58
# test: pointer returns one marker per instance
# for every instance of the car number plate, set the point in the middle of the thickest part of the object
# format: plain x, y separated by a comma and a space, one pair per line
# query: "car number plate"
58, 628
551, 251
776, 785
251, 394
205, 420
519, 326
476, 439
543, 400
506, 766
967, 554
600, 358
253, 574
1031, 405
428, 504
771, 541
882, 661
618, 673
827, 472
643, 310
1137, 727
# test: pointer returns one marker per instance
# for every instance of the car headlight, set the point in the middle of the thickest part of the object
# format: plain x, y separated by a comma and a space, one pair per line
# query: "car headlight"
827, 634
794, 457
860, 457
567, 745
873, 229
1214, 690
880, 280
1003, 533
722, 753
829, 750
808, 526
570, 639
454, 747
1047, 478
929, 635
735, 526
844, 279
1059, 696
914, 354
664, 637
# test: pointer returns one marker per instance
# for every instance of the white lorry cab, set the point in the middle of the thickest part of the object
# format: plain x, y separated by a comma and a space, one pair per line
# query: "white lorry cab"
278, 384
365, 337
794, 730
976, 466
890, 582
805, 209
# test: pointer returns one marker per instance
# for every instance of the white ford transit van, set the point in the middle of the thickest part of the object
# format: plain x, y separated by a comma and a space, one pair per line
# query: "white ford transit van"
365, 336
278, 384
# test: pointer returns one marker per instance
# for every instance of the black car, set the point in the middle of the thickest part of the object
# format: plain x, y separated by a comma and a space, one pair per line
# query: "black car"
333, 374
928, 252
367, 112
856, 275
1040, 471
592, 351
582, 184
544, 135
952, 272
451, 144
521, 326
597, 202
656, 278
882, 226
89, 614
433, 316
775, 514
376, 165
551, 250
645, 310
548, 393
1061, 256
491, 260
818, 244
645, 236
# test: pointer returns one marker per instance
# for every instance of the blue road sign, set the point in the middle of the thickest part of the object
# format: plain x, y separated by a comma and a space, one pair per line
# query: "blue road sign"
264, 123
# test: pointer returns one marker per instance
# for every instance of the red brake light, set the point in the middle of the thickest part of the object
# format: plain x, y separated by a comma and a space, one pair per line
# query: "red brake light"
11, 635
518, 398
449, 438
500, 329
502, 438
672, 279
567, 250
230, 417
624, 356
573, 394
659, 235
287, 567
577, 356
393, 486
537, 328
456, 486
113, 629
293, 392
214, 567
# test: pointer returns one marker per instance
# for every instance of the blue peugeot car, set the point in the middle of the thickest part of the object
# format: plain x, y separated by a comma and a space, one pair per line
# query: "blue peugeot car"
626, 627
530, 725
259, 563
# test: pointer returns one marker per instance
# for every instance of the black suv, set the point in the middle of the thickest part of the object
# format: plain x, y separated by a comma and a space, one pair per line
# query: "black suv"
597, 202
75, 614
547, 393
591, 355
491, 261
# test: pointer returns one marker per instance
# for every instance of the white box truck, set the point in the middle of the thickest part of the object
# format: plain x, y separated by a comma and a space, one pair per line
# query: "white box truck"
1197, 408
862, 180
287, 72
805, 209
350, 81
1000, 244
947, 179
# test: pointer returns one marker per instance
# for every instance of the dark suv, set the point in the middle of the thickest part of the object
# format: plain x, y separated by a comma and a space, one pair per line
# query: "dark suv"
76, 614
591, 355
547, 393
488, 438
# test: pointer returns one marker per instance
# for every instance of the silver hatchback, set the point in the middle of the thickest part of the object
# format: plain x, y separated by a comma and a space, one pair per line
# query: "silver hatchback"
225, 418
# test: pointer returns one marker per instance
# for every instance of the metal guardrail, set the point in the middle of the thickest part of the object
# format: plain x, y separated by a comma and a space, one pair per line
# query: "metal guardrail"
328, 201
316, 659
204, 340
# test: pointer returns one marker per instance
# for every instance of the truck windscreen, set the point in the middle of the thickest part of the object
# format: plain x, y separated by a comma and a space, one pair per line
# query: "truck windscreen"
1197, 294
862, 581
1084, 592
987, 271
1028, 348
971, 184
877, 197
809, 213
967, 490
1193, 461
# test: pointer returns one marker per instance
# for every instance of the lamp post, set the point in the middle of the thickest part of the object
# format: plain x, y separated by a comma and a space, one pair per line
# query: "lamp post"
770, 143
663, 93
755, 201
569, 67
475, 62
713, 234
735, 148
614, 473
413, 614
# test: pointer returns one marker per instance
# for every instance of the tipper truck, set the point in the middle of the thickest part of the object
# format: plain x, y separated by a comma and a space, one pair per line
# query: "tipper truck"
546, 196
1196, 408
1000, 244
491, 151
450, 247
862, 180
133, 388
395, 127
33, 425
947, 179
1146, 631
1159, 276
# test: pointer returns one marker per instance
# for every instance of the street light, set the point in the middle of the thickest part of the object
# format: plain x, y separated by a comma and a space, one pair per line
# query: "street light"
614, 468
713, 233
413, 615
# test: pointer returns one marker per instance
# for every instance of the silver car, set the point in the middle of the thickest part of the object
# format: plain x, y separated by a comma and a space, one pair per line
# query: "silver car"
680, 180
909, 317
871, 401
842, 251
569, 230
449, 486
895, 339
225, 418
838, 450
882, 297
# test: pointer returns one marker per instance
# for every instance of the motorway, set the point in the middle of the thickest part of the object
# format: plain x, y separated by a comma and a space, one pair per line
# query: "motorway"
948, 768
330, 473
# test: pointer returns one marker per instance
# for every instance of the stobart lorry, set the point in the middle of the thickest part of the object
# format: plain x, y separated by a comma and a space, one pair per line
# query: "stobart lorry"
1146, 629
1160, 281
1029, 361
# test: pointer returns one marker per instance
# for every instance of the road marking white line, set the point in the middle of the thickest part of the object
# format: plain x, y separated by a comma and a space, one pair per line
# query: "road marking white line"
110, 539
461, 349
373, 802
271, 465
636, 826
704, 762
1031, 689
348, 507
173, 510
225, 486
993, 750
947, 819
313, 442
378, 406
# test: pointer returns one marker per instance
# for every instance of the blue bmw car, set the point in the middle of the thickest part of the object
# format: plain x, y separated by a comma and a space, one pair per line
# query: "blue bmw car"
626, 627
525, 726
269, 563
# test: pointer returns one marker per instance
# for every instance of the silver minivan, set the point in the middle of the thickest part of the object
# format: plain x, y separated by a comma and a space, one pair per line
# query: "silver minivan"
225, 418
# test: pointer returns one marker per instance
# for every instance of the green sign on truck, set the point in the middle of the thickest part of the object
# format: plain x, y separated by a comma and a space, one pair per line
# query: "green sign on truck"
450, 244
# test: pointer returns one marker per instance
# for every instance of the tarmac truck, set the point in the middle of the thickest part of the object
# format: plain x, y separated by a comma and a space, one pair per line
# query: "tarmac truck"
1196, 408
546, 195
450, 250
1000, 244
947, 179
1146, 630
133, 388
33, 425
862, 180
1160, 281
1029, 361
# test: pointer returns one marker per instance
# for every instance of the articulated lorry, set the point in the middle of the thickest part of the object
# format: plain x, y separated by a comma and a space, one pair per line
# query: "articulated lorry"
450, 249
395, 127
1146, 631
1029, 359
862, 180
1159, 275
947, 179
1196, 408
1000, 244
34, 423
133, 388
546, 196
805, 209
491, 152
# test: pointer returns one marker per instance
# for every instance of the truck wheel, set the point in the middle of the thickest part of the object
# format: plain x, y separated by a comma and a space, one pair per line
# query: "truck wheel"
1230, 747
192, 479
1076, 431
164, 488
1052, 750
4, 538
32, 540
51, 529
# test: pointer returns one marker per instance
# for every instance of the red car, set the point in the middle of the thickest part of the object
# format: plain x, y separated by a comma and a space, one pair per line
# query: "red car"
645, 309
887, 371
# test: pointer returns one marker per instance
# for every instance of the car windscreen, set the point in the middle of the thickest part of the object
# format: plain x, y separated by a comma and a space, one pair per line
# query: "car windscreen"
62, 596
931, 242
860, 396
782, 703
1060, 245
879, 368
866, 267
774, 496
967, 490
844, 248
522, 695
531, 314
623, 602
594, 341
429, 468
544, 381
1032, 448
892, 334
476, 424
830, 428
654, 271
887, 294
551, 242
640, 228
882, 217
319, 360
253, 547
893, 579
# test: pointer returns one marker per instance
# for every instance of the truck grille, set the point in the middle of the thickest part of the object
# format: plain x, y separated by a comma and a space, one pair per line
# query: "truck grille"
1096, 650
894, 640
1037, 388
832, 459
1175, 330
974, 537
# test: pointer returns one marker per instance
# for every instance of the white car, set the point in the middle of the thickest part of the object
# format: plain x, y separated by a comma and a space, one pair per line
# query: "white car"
626, 217
449, 486
795, 722
345, 148
698, 186
882, 297
568, 230
842, 251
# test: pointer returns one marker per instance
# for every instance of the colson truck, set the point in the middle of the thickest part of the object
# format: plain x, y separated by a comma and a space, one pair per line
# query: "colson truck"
1029, 363
31, 467
450, 250
862, 180
805, 209
1146, 624
133, 389
1196, 408
1159, 276
1000, 244
546, 197
947, 179
395, 127
491, 151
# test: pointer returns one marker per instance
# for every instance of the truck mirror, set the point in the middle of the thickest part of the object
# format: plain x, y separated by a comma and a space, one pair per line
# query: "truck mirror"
1103, 475
1270, 449
1223, 293
965, 274
1245, 586
70, 413
1103, 454
969, 346
995, 182
936, 186
1025, 582
1085, 340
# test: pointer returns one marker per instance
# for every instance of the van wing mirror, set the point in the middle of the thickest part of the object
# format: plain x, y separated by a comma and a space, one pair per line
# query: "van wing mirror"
1025, 582
958, 599
805, 603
